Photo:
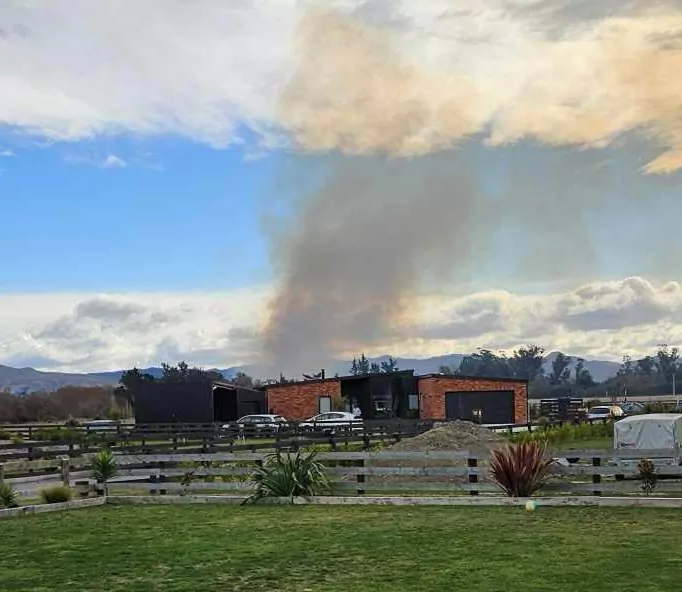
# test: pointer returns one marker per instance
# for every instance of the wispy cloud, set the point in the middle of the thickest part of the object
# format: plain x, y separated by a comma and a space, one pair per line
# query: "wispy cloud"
114, 162
110, 161
7, 153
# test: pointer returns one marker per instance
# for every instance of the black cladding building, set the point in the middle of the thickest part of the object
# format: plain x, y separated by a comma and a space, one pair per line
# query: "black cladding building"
195, 402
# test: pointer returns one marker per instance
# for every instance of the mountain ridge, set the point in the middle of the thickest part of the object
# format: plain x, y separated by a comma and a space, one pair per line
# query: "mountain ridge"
22, 380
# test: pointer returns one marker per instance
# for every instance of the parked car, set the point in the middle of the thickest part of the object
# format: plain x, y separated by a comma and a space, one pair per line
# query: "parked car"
102, 425
632, 407
257, 425
334, 421
604, 413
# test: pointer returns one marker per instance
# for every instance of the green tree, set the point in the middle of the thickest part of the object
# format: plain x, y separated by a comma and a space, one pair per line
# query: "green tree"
582, 377
561, 370
526, 362
646, 366
360, 366
390, 365
485, 363
242, 379
667, 361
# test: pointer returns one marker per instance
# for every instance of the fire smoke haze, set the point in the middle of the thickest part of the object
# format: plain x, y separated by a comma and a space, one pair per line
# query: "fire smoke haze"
396, 90
464, 144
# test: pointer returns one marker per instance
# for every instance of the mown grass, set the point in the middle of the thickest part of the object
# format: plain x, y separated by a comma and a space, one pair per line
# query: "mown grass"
337, 549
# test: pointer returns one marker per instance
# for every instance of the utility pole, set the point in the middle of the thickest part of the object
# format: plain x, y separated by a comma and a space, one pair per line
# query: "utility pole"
677, 402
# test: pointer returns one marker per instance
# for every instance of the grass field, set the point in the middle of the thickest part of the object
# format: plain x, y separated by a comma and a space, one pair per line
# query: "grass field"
329, 549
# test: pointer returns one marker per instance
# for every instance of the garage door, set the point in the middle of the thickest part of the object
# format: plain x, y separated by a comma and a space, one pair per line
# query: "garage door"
480, 406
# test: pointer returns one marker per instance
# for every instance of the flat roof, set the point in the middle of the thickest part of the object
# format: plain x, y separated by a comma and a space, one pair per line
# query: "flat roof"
407, 373
459, 377
348, 377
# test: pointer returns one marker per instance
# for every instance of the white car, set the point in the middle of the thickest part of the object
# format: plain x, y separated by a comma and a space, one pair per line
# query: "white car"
333, 421
258, 424
604, 413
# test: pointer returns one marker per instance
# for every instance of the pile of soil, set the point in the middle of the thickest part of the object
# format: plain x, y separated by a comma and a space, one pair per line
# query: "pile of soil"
454, 435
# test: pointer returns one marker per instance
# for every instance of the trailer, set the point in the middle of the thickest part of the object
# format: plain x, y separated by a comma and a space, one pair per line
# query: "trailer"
653, 431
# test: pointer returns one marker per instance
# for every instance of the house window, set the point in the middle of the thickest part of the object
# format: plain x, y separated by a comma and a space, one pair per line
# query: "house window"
413, 402
324, 404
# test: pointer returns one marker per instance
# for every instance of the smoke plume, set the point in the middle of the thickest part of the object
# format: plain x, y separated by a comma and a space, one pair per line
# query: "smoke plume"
398, 93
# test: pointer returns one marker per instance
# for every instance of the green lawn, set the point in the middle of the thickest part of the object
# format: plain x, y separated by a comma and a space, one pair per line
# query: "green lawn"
328, 549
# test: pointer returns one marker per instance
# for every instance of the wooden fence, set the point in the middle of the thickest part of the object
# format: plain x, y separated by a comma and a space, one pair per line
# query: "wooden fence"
352, 473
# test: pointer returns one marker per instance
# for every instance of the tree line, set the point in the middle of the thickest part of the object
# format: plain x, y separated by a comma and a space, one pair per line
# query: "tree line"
63, 404
653, 374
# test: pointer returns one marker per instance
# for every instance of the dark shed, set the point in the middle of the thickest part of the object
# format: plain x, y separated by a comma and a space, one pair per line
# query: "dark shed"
195, 402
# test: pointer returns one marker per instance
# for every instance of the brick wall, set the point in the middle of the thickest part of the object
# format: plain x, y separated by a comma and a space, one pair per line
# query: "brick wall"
300, 401
432, 394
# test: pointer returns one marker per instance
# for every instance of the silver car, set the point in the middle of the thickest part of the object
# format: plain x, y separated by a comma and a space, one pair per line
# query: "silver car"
333, 421
258, 424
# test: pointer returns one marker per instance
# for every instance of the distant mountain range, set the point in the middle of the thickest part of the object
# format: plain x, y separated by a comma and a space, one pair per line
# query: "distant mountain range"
21, 380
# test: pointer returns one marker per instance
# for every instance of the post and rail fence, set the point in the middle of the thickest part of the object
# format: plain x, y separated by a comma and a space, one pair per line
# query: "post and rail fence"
352, 472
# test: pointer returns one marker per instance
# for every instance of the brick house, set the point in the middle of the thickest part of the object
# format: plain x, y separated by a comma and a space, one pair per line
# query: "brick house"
404, 395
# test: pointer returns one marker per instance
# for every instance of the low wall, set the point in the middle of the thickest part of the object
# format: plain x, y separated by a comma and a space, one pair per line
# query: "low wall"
44, 508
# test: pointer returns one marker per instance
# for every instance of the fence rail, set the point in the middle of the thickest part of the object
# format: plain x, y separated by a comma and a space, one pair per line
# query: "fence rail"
385, 472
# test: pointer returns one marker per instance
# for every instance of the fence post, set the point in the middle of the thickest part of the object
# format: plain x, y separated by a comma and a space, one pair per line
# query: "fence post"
596, 477
472, 464
162, 477
29, 457
2, 473
360, 477
65, 469
153, 478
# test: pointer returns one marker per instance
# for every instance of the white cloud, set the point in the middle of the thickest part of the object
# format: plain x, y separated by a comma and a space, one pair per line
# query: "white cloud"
7, 153
114, 162
107, 331
89, 332
378, 75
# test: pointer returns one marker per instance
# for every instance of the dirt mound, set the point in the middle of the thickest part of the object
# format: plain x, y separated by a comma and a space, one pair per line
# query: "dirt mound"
454, 435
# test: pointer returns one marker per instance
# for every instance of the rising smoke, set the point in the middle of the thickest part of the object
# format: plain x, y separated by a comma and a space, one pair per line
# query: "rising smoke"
394, 101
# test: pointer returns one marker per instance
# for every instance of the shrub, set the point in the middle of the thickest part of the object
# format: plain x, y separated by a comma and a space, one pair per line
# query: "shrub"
288, 475
520, 469
5, 435
647, 475
56, 494
104, 467
9, 497
566, 433
58, 434
116, 413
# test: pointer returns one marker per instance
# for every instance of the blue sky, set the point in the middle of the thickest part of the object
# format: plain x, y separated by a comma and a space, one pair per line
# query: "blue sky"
149, 171
179, 216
